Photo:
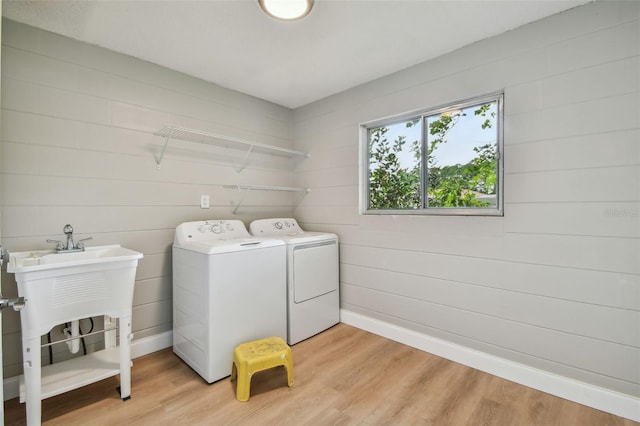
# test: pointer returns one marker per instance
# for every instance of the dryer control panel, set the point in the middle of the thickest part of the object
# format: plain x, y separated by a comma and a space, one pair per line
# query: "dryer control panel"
276, 226
210, 230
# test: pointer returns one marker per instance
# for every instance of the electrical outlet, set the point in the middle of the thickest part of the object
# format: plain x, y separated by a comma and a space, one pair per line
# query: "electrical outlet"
204, 201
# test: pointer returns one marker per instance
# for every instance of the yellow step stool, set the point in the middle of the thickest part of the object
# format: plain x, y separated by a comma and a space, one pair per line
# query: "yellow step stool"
259, 355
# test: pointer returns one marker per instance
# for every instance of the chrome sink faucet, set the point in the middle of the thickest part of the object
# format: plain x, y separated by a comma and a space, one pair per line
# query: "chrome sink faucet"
68, 230
69, 247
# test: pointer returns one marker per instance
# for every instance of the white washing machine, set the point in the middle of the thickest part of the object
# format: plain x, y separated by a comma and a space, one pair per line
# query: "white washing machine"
228, 288
313, 298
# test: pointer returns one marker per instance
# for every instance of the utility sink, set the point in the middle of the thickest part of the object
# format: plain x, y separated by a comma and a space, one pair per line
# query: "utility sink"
64, 287
61, 287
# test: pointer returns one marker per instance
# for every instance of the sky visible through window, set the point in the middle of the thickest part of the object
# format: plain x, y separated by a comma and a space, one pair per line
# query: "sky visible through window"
466, 134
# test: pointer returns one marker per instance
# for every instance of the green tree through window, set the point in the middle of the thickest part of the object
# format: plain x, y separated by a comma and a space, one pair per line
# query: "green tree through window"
448, 159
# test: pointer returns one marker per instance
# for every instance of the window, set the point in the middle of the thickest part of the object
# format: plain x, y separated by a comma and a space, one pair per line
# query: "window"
440, 161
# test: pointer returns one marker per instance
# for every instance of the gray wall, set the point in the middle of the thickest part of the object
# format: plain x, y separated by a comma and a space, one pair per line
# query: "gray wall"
555, 283
78, 147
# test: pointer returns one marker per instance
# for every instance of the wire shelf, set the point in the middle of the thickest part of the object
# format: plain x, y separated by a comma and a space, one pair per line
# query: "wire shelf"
266, 188
170, 131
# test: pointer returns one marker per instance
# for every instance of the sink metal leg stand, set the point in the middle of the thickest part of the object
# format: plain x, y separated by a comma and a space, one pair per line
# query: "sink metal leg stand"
125, 357
32, 379
1, 375
17, 304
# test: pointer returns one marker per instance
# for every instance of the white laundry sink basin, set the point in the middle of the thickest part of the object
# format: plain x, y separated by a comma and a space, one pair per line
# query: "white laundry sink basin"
30, 261
61, 287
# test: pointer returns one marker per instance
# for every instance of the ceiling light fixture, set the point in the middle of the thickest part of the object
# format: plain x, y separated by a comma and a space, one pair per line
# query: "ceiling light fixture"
286, 10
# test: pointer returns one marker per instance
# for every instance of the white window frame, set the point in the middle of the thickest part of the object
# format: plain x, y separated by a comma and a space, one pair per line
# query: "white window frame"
497, 97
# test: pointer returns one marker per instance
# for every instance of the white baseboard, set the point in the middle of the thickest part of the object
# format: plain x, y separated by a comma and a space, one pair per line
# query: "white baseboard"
139, 348
11, 388
151, 344
583, 393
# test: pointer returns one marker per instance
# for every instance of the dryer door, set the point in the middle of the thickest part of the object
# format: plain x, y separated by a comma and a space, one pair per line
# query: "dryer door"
315, 270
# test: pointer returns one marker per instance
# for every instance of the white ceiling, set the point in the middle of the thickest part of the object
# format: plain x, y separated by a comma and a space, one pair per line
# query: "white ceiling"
341, 44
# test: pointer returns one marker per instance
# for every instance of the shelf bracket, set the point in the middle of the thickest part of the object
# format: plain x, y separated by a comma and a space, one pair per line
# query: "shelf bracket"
239, 203
245, 160
166, 142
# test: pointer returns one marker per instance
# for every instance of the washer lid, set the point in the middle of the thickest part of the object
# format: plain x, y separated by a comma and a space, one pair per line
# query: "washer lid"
209, 230
229, 246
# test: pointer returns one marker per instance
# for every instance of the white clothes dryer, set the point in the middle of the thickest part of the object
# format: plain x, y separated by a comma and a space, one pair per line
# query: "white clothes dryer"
228, 288
313, 300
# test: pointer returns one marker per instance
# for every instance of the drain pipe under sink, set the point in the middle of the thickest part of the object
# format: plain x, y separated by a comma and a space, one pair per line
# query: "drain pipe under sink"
73, 332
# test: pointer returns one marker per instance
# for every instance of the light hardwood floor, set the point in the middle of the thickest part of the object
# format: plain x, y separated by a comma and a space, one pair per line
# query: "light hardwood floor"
344, 376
